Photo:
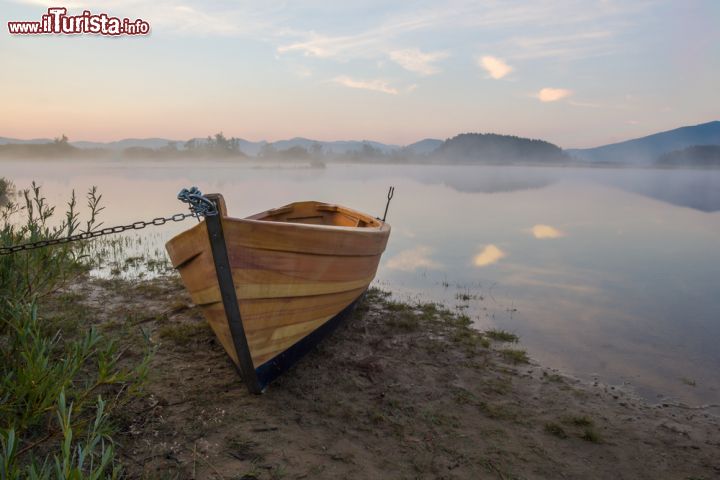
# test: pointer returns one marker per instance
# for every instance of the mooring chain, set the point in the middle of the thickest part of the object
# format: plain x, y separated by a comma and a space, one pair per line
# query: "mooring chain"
200, 206
179, 217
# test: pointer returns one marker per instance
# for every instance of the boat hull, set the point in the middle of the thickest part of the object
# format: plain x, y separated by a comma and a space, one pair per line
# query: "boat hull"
271, 290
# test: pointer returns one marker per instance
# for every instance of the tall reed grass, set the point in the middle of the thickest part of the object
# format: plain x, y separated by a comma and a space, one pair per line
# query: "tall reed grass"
54, 423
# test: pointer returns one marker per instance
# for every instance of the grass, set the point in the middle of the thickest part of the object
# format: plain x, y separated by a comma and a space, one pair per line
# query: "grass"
578, 420
463, 320
53, 421
591, 435
464, 397
184, 334
585, 424
514, 355
553, 377
393, 306
463, 296
469, 338
5, 190
404, 321
498, 411
440, 419
555, 430
500, 335
243, 449
688, 381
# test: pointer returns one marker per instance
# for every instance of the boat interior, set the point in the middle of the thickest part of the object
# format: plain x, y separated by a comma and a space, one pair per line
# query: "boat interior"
317, 213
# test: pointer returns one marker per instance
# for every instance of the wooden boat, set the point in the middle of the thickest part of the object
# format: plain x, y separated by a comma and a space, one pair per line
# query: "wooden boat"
273, 284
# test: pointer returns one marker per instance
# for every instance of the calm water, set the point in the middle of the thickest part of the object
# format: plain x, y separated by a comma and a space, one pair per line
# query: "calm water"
605, 273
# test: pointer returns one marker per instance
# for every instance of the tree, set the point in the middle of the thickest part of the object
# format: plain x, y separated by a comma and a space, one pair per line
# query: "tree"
191, 144
316, 150
267, 151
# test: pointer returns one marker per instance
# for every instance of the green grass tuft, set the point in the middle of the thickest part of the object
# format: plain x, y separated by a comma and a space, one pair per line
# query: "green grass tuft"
555, 430
578, 420
590, 435
184, 334
515, 355
501, 335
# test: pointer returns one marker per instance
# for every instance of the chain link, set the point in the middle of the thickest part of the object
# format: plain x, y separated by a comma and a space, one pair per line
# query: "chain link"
178, 217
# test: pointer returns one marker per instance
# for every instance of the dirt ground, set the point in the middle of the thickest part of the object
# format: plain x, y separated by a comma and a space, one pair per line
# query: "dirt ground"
399, 391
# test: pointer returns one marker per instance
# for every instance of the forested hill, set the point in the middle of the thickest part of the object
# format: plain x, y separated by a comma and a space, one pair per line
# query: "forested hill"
695, 156
493, 148
646, 150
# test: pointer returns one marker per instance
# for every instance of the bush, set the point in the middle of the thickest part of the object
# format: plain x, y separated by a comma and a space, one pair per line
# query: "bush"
5, 190
33, 274
54, 423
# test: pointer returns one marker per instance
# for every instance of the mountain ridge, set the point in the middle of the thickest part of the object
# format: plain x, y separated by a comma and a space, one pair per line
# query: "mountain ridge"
646, 150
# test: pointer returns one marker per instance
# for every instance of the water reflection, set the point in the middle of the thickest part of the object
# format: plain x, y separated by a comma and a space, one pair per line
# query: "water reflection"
488, 255
413, 259
622, 286
546, 231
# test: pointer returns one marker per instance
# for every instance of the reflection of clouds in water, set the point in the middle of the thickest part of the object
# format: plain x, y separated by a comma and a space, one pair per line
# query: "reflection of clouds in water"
533, 282
413, 259
506, 182
571, 279
490, 254
546, 231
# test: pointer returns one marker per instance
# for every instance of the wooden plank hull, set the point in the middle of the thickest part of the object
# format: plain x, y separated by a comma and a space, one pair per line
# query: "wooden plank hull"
295, 272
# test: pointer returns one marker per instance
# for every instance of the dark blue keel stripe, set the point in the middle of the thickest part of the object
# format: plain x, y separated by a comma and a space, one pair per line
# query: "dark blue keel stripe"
270, 370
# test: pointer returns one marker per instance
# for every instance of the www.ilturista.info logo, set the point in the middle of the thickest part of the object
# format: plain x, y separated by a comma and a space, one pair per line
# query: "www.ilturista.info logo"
57, 21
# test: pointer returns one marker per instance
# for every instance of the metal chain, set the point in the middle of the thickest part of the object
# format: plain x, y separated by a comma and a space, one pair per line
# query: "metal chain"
178, 217
199, 204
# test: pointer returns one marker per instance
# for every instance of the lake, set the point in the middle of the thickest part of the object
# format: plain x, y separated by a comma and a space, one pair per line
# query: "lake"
607, 274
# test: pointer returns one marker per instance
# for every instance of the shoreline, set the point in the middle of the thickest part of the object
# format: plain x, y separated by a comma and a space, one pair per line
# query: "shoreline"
254, 162
399, 391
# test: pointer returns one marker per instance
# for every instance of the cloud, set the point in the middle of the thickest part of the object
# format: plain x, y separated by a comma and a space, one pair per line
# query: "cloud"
571, 46
553, 94
413, 259
488, 255
319, 46
417, 61
374, 85
400, 21
546, 231
496, 67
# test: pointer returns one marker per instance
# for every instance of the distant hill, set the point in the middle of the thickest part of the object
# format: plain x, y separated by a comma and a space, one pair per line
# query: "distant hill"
464, 148
646, 150
248, 147
57, 148
127, 143
686, 146
32, 141
695, 156
424, 147
493, 148
335, 147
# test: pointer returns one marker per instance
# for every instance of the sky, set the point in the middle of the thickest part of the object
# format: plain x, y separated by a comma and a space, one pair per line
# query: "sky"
575, 73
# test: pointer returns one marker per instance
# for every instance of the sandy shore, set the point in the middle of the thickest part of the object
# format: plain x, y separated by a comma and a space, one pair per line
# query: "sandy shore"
400, 391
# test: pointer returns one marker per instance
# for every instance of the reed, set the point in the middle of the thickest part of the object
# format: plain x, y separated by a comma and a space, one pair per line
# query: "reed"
54, 422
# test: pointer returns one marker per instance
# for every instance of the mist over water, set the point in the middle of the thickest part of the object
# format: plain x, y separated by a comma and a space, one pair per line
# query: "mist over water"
607, 273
